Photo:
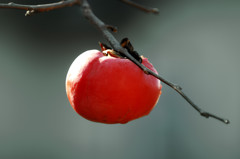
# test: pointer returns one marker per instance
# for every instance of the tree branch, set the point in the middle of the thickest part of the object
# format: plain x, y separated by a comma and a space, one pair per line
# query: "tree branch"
141, 7
87, 12
30, 9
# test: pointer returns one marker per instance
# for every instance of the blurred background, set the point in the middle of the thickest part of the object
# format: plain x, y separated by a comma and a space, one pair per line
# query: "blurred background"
194, 43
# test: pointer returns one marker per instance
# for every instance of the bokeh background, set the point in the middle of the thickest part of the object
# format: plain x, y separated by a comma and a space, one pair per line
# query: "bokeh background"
194, 43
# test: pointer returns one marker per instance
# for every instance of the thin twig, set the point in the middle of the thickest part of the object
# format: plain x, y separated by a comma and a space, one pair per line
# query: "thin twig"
141, 7
87, 12
30, 9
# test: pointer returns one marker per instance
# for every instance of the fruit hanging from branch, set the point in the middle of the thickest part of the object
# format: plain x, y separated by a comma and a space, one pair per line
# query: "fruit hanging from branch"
111, 89
124, 51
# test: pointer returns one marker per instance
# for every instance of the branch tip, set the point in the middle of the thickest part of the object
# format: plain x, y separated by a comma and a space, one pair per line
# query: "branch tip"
207, 115
155, 10
226, 121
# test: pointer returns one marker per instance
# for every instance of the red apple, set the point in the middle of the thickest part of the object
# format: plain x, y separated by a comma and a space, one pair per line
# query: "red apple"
111, 90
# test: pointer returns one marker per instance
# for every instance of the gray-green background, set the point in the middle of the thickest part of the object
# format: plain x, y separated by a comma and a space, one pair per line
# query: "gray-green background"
194, 43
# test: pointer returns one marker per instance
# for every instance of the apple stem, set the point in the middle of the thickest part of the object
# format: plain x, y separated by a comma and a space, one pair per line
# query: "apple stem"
89, 15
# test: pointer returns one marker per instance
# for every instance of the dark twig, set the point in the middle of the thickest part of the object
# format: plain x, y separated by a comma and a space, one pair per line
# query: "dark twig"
179, 90
87, 12
141, 7
30, 9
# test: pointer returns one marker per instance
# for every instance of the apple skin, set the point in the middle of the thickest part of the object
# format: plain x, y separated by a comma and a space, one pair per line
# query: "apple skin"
111, 90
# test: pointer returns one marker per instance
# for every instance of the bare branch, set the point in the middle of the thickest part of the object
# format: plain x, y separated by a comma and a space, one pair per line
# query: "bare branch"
87, 12
141, 7
179, 90
30, 9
